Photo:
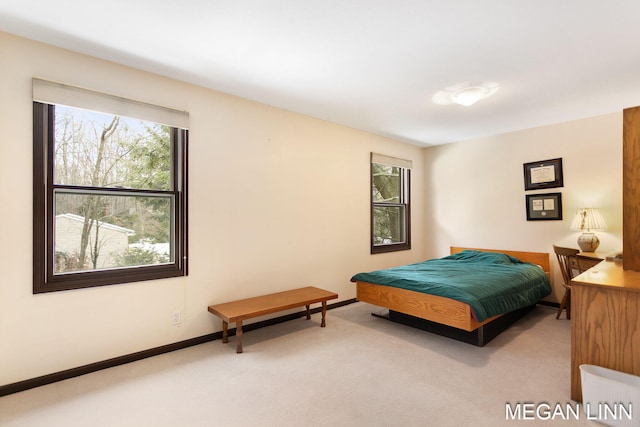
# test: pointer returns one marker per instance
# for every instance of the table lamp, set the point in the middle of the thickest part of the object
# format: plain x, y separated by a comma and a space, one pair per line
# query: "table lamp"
587, 220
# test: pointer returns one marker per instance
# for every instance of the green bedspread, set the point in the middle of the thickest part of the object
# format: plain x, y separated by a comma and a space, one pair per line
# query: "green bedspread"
491, 283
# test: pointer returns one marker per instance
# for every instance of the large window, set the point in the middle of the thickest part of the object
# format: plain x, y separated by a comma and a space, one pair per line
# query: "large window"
109, 192
390, 208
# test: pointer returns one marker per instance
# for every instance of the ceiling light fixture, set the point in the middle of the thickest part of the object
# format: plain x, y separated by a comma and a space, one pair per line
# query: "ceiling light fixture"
465, 94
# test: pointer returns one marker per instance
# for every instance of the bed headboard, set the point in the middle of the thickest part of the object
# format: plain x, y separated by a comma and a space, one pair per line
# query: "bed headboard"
538, 258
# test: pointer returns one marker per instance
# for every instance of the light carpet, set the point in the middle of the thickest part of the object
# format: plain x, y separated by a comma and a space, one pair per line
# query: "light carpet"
358, 371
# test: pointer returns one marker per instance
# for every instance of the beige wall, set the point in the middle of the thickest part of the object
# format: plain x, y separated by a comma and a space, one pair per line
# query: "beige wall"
276, 200
475, 193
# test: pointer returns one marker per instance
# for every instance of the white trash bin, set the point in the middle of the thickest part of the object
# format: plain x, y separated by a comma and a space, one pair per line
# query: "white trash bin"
610, 397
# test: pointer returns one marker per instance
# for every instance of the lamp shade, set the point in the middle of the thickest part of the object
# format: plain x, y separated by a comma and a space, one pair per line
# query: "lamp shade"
588, 219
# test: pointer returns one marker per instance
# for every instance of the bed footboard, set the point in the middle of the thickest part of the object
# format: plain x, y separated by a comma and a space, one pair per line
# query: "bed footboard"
430, 307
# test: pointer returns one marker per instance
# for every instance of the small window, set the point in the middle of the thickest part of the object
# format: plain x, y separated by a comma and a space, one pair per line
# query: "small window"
109, 198
390, 207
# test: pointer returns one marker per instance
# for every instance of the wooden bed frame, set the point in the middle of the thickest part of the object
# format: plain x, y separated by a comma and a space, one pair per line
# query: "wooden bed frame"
443, 315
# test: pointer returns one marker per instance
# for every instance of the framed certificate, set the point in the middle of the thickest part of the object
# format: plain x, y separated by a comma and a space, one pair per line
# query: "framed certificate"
543, 174
544, 206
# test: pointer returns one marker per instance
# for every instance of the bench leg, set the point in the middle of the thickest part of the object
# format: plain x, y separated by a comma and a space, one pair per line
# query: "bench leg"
308, 312
239, 336
324, 314
225, 333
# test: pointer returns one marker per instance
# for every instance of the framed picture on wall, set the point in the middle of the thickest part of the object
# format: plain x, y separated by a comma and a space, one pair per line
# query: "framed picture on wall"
542, 207
543, 174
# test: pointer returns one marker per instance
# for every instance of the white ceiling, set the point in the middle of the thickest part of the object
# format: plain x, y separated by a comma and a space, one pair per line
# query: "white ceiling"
370, 64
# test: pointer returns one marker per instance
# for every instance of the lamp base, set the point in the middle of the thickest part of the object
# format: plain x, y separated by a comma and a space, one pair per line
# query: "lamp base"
588, 242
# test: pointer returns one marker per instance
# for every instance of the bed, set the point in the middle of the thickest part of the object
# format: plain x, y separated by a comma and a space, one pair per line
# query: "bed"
451, 315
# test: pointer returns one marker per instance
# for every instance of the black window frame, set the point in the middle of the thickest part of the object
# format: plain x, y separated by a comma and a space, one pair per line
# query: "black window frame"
404, 202
44, 279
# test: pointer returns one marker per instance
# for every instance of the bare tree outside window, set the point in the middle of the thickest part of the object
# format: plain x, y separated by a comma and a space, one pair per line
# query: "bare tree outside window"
117, 198
95, 150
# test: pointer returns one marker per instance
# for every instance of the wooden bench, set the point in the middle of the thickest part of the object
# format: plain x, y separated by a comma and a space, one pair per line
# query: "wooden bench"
237, 311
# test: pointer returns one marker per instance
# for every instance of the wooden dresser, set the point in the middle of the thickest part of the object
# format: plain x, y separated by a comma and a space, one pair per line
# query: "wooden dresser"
605, 323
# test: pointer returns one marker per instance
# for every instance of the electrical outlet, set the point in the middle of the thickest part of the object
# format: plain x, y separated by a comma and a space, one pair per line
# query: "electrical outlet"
176, 318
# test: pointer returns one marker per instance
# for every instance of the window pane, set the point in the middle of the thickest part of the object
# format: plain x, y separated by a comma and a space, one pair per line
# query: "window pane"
387, 185
97, 231
102, 150
388, 225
